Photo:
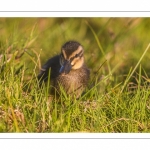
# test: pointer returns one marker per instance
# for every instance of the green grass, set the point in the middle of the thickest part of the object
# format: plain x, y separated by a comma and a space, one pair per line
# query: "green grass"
117, 53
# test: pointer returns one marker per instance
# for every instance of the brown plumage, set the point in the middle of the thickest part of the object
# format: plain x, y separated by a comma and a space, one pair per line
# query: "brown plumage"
67, 70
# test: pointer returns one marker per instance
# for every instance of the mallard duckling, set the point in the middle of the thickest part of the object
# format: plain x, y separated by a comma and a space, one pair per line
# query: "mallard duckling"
67, 70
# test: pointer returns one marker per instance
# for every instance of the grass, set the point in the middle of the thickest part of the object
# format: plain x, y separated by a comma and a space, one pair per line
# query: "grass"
118, 96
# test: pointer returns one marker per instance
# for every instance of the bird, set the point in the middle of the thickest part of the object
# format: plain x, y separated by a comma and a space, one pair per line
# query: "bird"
66, 71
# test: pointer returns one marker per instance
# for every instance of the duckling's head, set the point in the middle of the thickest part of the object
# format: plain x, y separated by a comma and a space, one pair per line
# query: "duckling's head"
71, 57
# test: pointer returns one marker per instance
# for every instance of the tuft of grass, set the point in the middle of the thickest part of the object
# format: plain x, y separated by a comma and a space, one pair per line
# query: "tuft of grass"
131, 74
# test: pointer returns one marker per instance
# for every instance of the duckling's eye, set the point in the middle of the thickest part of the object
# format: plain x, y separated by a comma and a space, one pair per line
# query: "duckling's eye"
76, 56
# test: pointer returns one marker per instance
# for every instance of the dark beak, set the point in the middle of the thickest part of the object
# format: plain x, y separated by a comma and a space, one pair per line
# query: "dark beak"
65, 69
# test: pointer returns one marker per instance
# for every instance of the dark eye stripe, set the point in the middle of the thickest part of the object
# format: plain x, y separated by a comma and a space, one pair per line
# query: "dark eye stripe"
80, 54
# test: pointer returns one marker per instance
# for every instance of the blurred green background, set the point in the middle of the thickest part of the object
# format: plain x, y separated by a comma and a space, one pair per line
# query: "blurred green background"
120, 41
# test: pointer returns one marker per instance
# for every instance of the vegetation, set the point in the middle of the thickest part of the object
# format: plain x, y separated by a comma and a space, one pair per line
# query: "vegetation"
117, 53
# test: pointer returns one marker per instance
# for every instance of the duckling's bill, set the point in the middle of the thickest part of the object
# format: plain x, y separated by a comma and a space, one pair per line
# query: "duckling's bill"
65, 68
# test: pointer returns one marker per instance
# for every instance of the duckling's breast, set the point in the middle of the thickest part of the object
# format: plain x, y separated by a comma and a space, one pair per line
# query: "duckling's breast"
74, 82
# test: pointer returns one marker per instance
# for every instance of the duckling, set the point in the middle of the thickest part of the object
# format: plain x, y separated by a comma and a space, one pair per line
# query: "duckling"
67, 70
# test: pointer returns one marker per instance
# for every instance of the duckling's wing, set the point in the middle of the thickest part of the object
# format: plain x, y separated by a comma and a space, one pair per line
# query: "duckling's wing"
51, 67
